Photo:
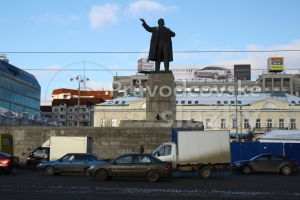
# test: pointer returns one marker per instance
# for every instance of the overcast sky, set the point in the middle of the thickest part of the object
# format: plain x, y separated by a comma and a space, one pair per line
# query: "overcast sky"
42, 36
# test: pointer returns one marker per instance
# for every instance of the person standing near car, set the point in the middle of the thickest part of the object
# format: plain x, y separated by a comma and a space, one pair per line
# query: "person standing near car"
142, 149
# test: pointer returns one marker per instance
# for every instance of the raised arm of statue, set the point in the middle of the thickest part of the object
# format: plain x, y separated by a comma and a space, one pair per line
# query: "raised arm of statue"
142, 20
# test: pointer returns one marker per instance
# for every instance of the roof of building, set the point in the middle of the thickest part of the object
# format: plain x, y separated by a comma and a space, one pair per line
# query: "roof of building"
213, 98
280, 135
103, 94
19, 73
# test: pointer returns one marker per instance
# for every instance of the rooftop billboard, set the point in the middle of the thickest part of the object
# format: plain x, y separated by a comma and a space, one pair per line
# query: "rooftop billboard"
275, 64
145, 66
203, 74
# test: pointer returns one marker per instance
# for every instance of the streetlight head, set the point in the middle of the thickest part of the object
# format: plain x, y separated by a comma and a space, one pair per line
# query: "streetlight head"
71, 79
87, 79
77, 78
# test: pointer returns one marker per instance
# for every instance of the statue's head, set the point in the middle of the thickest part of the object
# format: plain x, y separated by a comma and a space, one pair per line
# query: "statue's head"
161, 21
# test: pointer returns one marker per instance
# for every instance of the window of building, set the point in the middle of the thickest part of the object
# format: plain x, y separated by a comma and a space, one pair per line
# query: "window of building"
114, 122
293, 124
232, 102
281, 123
62, 116
55, 116
102, 122
189, 102
83, 109
218, 102
208, 124
70, 109
144, 106
70, 117
239, 102
70, 124
269, 105
233, 123
123, 102
246, 123
117, 102
82, 116
293, 102
110, 102
176, 102
55, 110
196, 102
182, 102
223, 123
269, 123
257, 124
65, 96
225, 102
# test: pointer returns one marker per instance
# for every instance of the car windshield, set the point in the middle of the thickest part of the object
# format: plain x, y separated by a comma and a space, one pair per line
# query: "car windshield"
5, 154
95, 156
256, 157
155, 158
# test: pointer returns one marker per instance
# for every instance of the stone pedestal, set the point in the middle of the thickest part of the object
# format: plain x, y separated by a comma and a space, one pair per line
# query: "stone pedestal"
160, 96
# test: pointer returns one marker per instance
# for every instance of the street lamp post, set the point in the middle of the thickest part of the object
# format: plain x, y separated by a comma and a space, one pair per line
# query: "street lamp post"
79, 79
236, 110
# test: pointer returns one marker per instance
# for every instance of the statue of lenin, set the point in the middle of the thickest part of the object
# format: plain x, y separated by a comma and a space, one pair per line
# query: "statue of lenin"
161, 44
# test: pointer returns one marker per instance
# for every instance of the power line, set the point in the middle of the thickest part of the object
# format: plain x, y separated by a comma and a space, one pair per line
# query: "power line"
119, 52
40, 69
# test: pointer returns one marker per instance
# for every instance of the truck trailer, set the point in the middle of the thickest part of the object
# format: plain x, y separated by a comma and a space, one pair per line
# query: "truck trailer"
200, 151
58, 146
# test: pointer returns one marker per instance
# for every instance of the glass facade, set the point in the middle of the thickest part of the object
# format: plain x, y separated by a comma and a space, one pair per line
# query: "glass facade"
19, 90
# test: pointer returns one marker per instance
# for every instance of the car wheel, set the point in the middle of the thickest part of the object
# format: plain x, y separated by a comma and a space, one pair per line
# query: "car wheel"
216, 76
102, 174
152, 176
196, 74
205, 172
246, 169
36, 165
286, 170
49, 171
6, 171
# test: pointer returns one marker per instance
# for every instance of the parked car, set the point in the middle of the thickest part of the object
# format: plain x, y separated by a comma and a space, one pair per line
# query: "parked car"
266, 163
213, 72
132, 165
8, 163
71, 162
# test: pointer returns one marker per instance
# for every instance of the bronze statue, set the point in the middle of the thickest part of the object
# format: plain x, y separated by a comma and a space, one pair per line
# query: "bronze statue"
161, 44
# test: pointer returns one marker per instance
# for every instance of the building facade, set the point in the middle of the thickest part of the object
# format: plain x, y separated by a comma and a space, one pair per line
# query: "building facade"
74, 108
244, 113
267, 82
19, 90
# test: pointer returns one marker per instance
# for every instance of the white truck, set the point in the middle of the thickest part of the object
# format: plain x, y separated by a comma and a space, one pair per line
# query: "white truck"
200, 151
58, 146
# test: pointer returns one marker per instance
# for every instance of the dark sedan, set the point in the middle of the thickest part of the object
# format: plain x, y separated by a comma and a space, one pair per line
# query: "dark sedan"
71, 162
8, 163
266, 163
132, 165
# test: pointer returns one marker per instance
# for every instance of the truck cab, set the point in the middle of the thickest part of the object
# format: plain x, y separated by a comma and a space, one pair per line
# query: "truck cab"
167, 152
40, 154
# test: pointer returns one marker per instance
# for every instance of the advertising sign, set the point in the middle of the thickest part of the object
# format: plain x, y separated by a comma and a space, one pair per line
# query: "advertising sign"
275, 64
145, 65
203, 74
242, 72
